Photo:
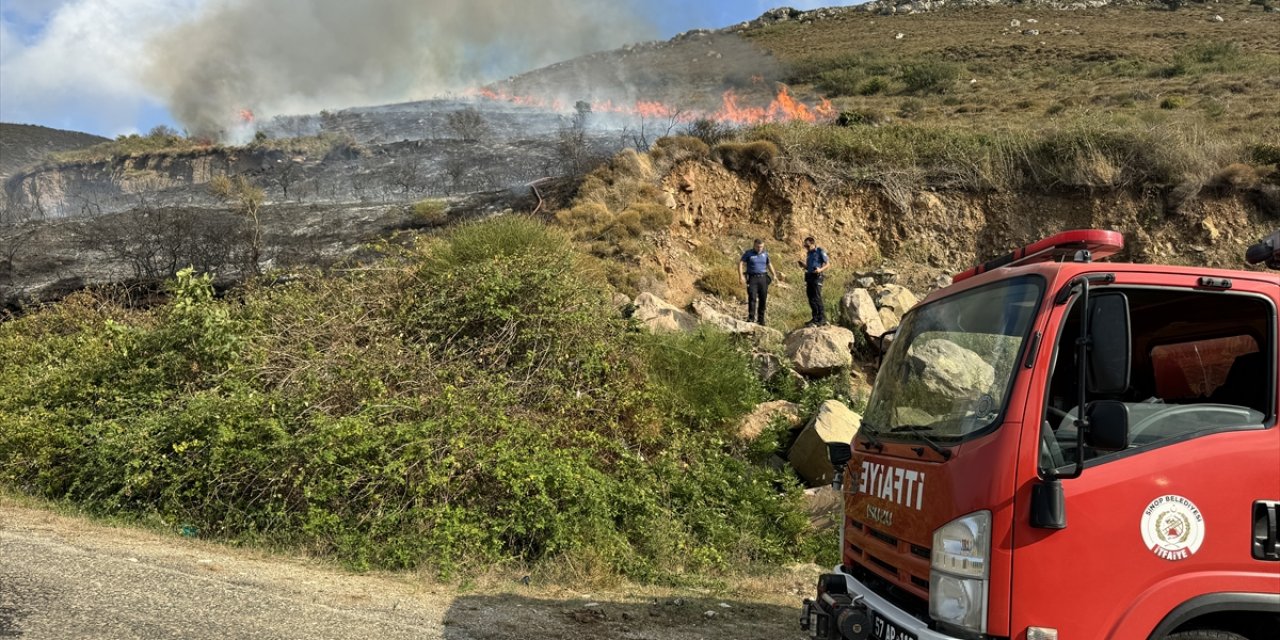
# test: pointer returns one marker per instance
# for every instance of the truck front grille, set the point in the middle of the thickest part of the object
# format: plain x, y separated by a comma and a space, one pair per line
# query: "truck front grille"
901, 568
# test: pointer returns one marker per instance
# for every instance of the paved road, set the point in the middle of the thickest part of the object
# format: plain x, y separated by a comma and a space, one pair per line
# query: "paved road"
65, 578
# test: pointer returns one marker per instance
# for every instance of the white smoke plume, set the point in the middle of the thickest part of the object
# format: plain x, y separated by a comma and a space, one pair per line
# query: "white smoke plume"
294, 56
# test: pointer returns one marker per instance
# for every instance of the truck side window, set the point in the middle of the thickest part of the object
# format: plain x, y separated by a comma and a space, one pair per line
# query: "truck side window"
1202, 363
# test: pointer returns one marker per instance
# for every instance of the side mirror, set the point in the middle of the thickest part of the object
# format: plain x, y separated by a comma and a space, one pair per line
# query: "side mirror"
1111, 335
1108, 426
840, 453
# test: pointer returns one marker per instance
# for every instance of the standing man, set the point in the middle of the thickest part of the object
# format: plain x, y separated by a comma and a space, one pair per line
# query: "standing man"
815, 263
756, 273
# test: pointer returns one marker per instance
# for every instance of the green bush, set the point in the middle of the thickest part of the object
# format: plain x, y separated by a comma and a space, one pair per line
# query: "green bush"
930, 77
431, 212
475, 400
1172, 102
873, 86
842, 82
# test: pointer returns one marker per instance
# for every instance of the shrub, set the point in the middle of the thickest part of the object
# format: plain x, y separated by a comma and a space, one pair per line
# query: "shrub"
431, 212
910, 108
873, 86
711, 132
1236, 176
747, 157
857, 117
841, 82
930, 77
474, 401
1172, 102
721, 281
1266, 154
673, 150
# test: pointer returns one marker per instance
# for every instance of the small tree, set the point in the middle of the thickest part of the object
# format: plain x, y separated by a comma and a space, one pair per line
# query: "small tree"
468, 124
573, 144
246, 200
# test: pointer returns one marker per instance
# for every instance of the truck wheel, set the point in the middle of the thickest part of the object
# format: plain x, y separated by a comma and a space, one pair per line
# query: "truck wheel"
1205, 635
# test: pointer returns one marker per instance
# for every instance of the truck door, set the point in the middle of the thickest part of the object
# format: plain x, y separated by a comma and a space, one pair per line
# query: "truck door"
1169, 517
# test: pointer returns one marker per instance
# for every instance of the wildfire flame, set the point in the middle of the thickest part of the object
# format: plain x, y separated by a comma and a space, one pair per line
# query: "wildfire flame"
783, 108
246, 116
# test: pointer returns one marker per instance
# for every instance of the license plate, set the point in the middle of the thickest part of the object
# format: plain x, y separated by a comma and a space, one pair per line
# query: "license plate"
882, 629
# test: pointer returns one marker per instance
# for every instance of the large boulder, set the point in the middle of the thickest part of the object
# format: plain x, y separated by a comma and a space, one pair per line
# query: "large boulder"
659, 315
834, 423
948, 371
889, 319
859, 310
820, 351
712, 316
896, 298
763, 415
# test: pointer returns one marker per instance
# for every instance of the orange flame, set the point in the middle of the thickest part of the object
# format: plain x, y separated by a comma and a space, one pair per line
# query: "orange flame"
783, 108
246, 116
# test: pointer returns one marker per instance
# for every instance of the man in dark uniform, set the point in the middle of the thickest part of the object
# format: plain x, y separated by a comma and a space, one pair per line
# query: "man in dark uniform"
816, 261
756, 273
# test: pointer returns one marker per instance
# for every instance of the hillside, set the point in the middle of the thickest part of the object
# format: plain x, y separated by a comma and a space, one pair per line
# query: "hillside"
980, 67
23, 145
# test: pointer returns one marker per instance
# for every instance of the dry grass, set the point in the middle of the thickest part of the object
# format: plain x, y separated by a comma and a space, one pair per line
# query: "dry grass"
1115, 62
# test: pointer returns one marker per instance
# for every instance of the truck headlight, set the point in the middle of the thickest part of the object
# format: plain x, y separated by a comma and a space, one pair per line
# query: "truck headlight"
960, 572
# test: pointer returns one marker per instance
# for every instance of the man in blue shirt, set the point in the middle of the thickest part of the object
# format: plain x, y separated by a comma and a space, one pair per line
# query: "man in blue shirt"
815, 263
756, 272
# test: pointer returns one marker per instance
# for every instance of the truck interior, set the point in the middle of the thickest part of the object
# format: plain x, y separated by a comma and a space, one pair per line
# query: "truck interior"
1202, 362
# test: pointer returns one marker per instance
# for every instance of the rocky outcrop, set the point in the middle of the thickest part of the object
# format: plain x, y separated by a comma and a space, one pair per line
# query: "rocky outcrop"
819, 351
764, 415
658, 315
948, 371
834, 423
709, 315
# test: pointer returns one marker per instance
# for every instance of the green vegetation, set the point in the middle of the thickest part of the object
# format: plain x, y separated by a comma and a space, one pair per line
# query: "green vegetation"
164, 141
431, 212
471, 401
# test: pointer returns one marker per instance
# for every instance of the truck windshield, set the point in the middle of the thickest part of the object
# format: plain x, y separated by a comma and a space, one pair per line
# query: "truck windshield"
950, 368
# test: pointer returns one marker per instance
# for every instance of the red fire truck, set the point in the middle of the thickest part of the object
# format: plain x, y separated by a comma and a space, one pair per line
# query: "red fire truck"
1063, 448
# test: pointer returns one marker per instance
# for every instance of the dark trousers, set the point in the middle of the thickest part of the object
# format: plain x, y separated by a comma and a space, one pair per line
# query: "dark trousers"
813, 289
757, 296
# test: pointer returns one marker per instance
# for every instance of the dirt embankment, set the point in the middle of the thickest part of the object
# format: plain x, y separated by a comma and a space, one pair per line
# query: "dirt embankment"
926, 232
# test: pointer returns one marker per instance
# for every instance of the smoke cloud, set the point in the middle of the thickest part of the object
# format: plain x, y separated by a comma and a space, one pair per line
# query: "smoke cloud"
296, 56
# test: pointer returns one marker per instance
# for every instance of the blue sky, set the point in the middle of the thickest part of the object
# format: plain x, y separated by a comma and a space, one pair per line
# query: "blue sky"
80, 64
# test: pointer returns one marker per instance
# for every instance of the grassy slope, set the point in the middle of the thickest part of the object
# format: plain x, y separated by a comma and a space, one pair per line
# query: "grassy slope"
22, 145
1107, 63
1112, 63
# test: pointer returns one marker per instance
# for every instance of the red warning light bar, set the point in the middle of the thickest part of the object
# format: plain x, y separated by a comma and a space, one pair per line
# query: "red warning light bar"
1101, 244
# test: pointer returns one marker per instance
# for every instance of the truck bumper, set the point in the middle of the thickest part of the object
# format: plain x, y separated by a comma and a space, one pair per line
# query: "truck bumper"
857, 613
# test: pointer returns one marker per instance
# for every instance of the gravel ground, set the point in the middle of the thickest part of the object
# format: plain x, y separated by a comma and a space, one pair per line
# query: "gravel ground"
68, 578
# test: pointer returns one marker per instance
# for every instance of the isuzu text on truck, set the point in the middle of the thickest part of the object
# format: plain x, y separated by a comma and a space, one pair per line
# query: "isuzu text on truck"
1062, 448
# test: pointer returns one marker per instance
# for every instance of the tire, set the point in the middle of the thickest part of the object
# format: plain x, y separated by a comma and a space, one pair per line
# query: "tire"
1205, 634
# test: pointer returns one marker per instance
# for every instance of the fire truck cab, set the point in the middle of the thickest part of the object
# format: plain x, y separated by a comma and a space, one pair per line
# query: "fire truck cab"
1059, 447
